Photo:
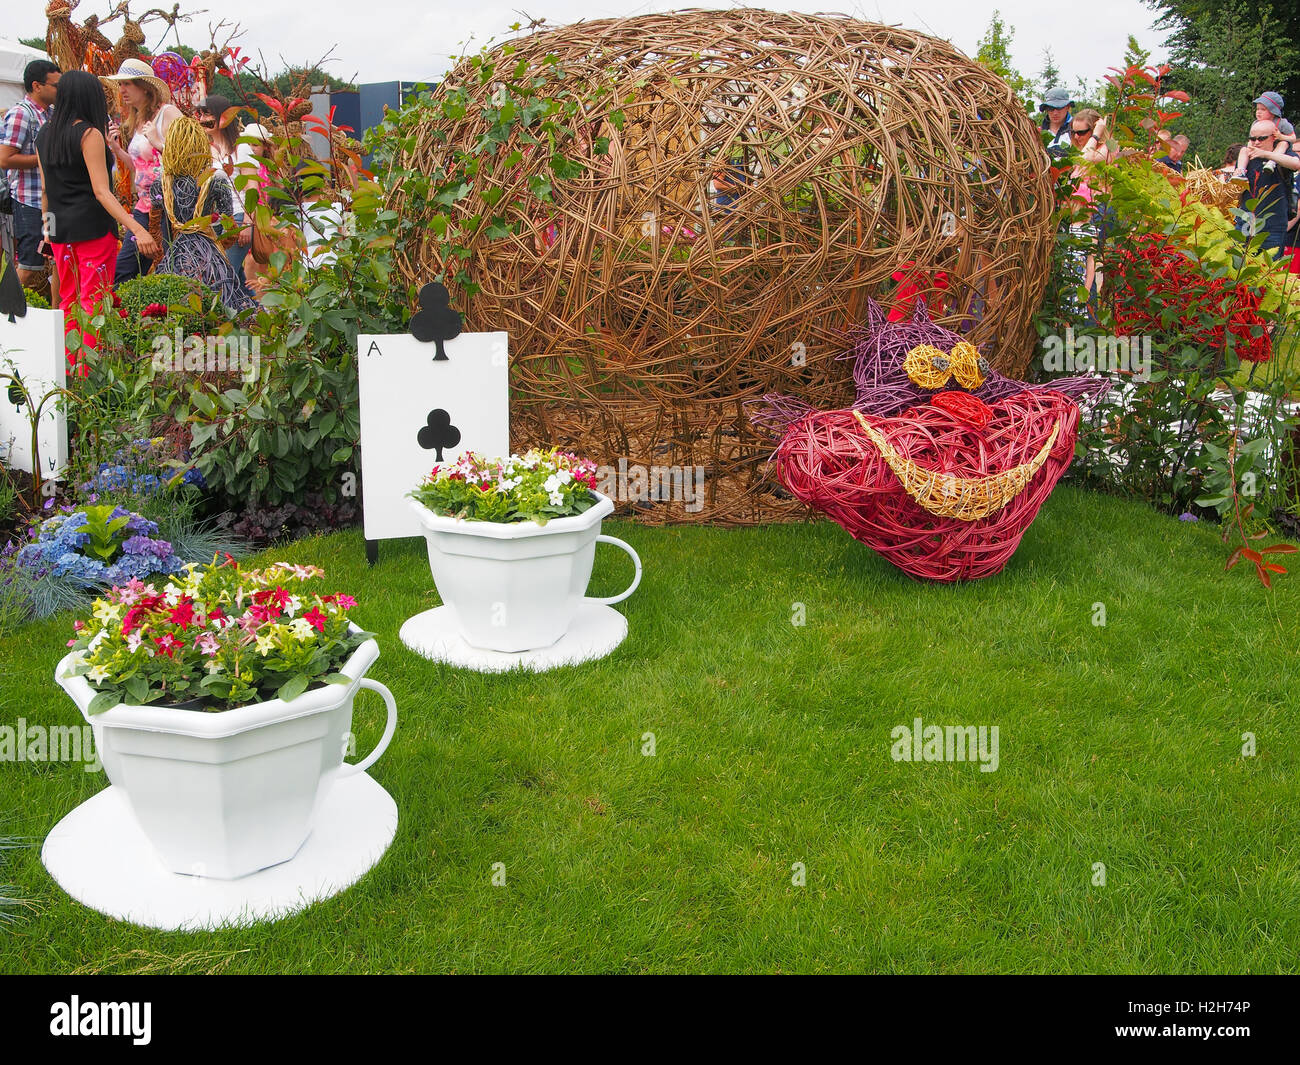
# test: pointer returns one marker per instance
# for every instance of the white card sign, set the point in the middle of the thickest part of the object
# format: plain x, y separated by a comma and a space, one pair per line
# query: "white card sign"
418, 410
31, 349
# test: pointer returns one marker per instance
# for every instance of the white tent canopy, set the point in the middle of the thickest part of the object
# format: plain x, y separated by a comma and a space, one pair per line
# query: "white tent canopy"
13, 58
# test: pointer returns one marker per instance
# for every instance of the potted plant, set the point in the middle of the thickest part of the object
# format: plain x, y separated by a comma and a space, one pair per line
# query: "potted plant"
511, 544
221, 702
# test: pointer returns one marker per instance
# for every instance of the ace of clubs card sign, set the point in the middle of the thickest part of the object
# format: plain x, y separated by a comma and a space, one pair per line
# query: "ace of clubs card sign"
425, 398
31, 349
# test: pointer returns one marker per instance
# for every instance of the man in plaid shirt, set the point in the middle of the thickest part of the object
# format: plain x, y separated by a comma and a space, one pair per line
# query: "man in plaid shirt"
18, 154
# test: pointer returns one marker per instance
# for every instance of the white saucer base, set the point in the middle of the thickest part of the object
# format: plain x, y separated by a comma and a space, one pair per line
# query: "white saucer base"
100, 856
595, 631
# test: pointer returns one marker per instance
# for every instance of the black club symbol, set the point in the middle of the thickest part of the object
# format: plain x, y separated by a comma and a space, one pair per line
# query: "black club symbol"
13, 302
438, 433
435, 320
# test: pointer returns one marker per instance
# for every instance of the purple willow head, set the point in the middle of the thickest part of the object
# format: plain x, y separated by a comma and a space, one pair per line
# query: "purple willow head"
883, 386
878, 350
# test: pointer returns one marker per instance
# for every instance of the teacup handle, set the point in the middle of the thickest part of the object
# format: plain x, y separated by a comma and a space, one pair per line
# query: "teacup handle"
389, 729
601, 538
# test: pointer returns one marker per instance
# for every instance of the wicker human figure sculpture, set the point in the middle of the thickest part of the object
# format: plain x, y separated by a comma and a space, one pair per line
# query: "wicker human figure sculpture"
942, 463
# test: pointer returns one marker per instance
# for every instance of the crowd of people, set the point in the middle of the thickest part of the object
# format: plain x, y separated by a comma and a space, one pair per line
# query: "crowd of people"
1266, 164
69, 151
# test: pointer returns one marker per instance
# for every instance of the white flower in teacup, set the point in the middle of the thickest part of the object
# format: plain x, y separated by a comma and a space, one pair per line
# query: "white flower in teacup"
98, 673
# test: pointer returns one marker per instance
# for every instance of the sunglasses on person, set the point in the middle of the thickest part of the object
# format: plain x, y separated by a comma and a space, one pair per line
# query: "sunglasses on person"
1266, 137
1080, 132
208, 123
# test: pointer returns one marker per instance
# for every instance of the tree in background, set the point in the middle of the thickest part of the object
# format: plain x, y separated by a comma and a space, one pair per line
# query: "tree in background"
1224, 54
1050, 75
995, 53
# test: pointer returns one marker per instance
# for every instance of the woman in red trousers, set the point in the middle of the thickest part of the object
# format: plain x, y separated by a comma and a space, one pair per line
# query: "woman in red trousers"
81, 211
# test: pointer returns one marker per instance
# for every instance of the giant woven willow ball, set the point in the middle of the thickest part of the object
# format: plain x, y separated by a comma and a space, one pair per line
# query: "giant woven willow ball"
770, 173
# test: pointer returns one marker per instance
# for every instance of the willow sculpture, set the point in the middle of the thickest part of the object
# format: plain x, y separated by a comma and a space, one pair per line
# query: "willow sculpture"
765, 175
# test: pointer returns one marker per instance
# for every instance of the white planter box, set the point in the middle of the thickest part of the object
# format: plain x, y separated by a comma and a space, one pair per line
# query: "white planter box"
225, 794
516, 586
31, 348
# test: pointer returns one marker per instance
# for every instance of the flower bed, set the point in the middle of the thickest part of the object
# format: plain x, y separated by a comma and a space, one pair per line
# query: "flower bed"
535, 486
221, 635
98, 545
140, 469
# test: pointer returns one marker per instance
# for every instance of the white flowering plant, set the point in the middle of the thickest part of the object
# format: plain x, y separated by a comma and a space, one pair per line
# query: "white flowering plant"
214, 637
535, 486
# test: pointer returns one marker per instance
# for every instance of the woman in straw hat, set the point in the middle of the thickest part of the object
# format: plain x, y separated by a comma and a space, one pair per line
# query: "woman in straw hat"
146, 103
190, 196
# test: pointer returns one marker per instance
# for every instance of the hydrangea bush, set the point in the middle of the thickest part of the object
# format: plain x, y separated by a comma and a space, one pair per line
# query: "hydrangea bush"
535, 486
215, 638
98, 545
140, 468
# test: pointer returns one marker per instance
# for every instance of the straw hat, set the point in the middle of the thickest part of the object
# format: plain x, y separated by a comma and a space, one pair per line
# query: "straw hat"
139, 70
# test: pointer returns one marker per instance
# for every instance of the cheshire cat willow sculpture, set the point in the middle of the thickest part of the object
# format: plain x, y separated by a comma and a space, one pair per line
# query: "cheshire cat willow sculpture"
941, 463
767, 173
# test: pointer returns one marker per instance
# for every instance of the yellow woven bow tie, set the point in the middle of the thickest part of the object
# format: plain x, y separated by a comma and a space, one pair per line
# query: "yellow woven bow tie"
931, 368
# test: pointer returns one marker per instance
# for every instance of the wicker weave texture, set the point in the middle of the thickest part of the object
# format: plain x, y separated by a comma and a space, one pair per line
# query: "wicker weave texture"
773, 172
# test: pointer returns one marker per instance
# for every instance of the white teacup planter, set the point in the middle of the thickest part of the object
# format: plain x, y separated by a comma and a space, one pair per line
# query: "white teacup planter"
224, 795
517, 587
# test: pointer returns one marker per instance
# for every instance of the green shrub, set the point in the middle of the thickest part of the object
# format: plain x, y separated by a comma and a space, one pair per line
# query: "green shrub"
190, 304
35, 299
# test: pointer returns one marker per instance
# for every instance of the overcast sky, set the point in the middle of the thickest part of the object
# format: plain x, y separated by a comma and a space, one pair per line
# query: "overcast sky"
388, 40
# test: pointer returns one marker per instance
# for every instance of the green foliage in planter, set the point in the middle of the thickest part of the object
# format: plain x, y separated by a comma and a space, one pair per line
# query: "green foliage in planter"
35, 299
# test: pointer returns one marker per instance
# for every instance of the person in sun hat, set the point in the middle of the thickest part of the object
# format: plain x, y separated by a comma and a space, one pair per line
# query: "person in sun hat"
1056, 120
148, 110
1268, 105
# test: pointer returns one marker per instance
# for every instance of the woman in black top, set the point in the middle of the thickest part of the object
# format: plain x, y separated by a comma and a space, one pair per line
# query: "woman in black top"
81, 212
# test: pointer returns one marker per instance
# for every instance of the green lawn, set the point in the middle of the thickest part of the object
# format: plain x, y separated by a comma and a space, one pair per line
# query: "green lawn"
1119, 744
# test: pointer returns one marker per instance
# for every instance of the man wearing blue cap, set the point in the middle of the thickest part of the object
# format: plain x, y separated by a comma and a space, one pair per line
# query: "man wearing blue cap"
1056, 120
